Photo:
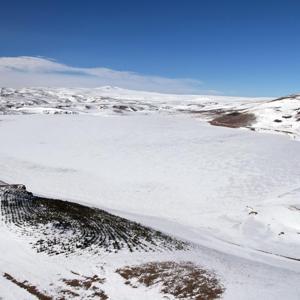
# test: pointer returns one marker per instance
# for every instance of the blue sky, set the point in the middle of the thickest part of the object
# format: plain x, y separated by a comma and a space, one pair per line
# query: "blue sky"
231, 47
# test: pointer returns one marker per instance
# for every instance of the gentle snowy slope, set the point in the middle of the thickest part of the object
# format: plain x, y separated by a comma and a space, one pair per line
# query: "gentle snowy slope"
281, 115
233, 194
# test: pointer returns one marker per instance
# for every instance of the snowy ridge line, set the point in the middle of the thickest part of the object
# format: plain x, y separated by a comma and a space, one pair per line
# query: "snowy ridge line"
104, 100
2, 183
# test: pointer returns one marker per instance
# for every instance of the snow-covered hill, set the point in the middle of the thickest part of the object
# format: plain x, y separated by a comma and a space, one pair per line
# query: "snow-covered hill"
106, 100
281, 115
261, 114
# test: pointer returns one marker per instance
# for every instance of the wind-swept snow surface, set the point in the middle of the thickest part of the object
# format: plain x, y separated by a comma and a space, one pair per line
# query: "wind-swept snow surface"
230, 182
232, 193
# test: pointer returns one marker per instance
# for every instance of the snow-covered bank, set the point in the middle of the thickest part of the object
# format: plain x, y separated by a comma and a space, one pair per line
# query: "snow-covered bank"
243, 279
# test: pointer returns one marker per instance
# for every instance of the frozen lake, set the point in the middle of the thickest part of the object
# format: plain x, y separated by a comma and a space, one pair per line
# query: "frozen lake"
235, 185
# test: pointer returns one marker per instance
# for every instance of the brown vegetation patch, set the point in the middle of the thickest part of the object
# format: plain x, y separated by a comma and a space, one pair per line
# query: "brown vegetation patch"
99, 295
182, 280
87, 283
73, 288
69, 293
28, 287
234, 120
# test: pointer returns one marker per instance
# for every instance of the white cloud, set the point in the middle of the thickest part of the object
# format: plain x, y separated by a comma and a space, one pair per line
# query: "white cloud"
24, 71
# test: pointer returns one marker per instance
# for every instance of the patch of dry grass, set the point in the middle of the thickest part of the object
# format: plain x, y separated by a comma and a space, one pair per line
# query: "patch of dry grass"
28, 287
89, 284
234, 120
74, 288
183, 280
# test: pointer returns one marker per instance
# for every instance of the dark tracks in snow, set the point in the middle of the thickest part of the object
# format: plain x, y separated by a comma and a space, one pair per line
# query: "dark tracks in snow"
61, 227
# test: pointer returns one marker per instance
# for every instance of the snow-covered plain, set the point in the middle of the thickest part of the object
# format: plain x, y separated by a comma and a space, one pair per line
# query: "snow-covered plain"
234, 193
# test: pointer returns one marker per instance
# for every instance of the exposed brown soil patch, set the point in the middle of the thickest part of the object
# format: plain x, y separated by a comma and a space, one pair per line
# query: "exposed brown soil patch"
86, 283
68, 293
73, 288
234, 120
28, 287
183, 280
